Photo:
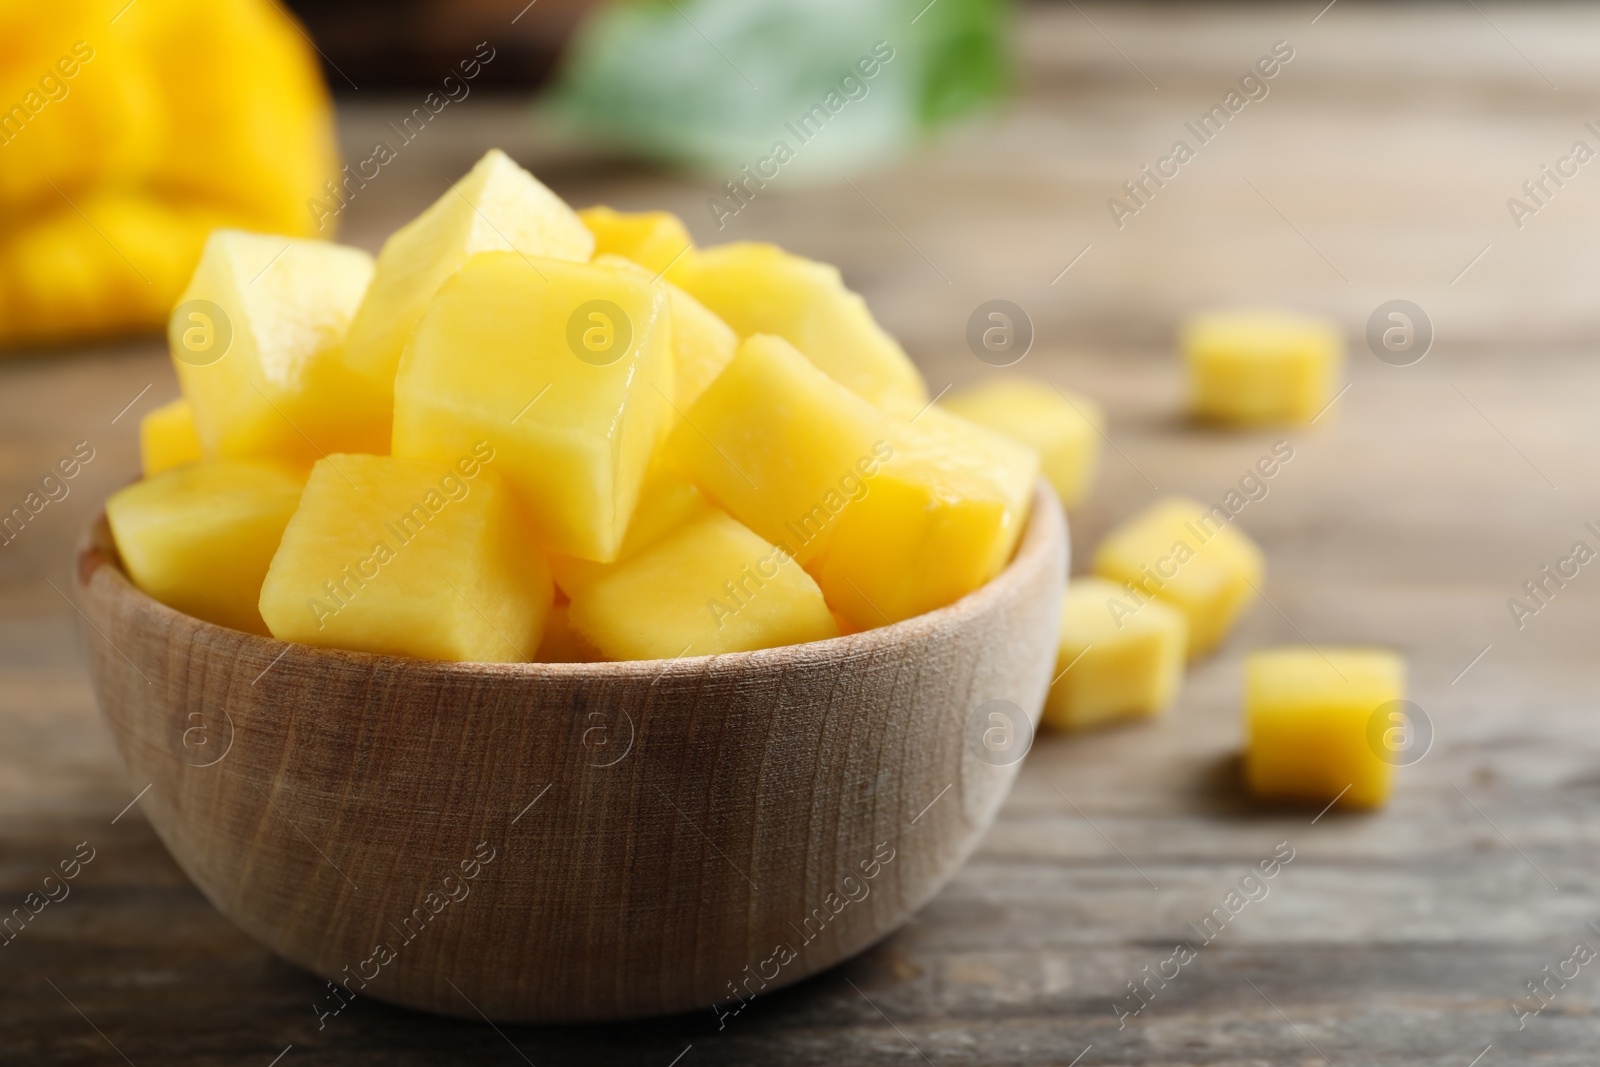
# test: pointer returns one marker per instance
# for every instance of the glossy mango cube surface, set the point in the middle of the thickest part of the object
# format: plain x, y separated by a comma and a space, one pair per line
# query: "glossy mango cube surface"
1261, 367
935, 520
1119, 656
1064, 428
653, 239
1192, 557
199, 538
168, 438
565, 369
780, 445
711, 587
257, 341
702, 344
667, 501
534, 433
761, 289
497, 206
409, 558
1320, 723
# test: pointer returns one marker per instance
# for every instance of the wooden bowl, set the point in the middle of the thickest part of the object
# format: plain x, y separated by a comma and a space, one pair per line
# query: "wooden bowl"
574, 842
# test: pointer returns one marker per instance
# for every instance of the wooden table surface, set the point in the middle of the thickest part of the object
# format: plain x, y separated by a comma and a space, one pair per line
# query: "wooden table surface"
1378, 167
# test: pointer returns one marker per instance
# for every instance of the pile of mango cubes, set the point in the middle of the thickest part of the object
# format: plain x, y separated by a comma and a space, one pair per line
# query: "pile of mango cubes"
529, 433
1169, 583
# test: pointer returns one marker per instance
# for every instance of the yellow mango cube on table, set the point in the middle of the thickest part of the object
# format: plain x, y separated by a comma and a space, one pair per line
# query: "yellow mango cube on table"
760, 288
498, 206
1190, 557
167, 438
565, 369
1318, 723
257, 343
1261, 367
779, 445
667, 501
1113, 663
653, 239
938, 519
1064, 428
199, 538
410, 558
711, 587
702, 344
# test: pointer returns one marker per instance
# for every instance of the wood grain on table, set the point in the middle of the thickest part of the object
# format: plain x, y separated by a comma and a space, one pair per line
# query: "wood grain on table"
1378, 167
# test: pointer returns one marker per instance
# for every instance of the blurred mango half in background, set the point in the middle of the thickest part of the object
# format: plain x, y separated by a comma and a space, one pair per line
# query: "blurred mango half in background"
128, 131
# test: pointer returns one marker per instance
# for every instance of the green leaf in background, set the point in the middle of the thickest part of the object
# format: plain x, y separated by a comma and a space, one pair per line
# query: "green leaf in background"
718, 85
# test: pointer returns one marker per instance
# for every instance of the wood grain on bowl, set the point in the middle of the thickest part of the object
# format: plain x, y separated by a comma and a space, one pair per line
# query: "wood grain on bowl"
565, 842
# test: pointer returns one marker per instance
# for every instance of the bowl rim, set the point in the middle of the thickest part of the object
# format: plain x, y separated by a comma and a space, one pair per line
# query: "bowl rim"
97, 554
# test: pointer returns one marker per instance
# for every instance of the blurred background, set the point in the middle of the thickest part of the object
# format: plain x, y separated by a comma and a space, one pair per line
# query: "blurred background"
1401, 151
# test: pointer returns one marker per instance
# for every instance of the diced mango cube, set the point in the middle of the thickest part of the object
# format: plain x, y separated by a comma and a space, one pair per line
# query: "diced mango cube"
199, 538
1064, 428
1318, 723
667, 501
702, 344
167, 438
760, 288
565, 368
257, 341
1190, 557
1114, 662
935, 521
498, 206
409, 558
780, 445
1254, 367
712, 587
653, 239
